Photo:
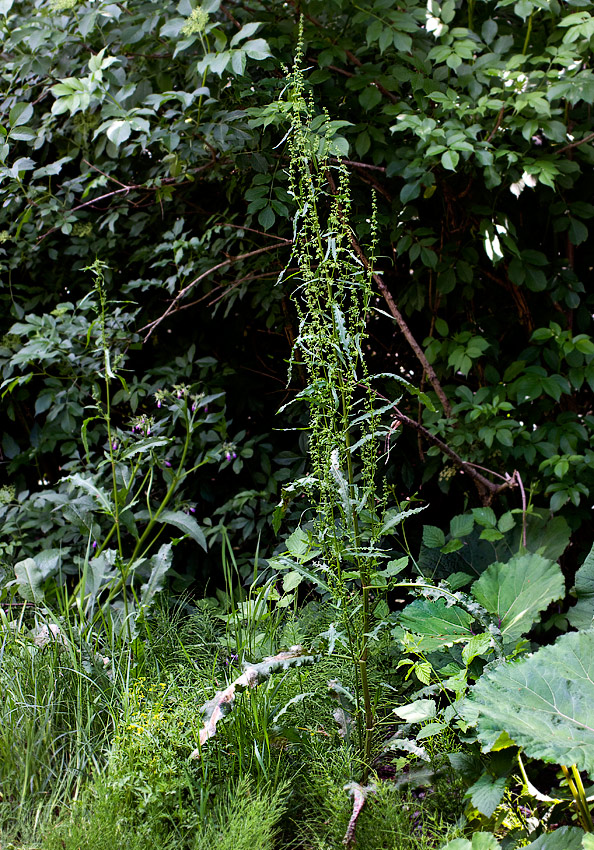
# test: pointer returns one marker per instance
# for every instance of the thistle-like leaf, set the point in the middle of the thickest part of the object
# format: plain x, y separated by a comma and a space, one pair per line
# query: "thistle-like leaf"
222, 702
359, 793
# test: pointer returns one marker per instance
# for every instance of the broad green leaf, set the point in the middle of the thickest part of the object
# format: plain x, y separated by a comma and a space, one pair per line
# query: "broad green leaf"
160, 564
31, 573
582, 613
29, 579
246, 31
185, 523
291, 581
20, 114
564, 838
144, 446
119, 131
433, 619
257, 49
461, 525
480, 841
416, 712
298, 543
516, 592
450, 159
486, 794
99, 493
430, 730
485, 517
433, 537
477, 645
544, 702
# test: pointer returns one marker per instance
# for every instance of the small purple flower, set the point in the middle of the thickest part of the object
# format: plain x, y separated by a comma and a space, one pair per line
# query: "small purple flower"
192, 510
114, 445
194, 406
228, 456
94, 545
167, 464
159, 403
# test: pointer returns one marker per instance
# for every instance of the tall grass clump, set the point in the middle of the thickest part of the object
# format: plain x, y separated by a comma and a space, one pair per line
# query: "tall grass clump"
60, 706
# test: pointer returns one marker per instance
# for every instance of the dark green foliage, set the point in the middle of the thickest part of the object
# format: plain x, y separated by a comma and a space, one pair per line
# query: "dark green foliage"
150, 138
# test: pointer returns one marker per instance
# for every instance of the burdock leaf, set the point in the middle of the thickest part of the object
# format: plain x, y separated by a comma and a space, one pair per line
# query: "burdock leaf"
434, 619
545, 703
518, 591
582, 614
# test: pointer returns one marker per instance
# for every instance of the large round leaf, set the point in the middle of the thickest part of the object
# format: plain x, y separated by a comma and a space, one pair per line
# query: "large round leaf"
518, 591
545, 703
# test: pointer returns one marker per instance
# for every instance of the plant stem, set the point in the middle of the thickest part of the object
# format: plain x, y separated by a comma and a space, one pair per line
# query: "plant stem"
578, 793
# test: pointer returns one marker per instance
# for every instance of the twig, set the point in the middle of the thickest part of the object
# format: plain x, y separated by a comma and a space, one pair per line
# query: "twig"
183, 292
487, 489
366, 165
583, 141
127, 189
498, 121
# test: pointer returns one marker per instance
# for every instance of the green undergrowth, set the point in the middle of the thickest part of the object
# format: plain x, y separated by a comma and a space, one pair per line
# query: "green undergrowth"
96, 747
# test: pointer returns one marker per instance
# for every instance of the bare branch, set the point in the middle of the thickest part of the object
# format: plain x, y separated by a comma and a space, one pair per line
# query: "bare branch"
588, 138
183, 292
487, 490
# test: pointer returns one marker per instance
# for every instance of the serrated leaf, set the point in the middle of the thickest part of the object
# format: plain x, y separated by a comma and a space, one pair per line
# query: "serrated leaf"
185, 523
485, 517
516, 592
582, 614
486, 794
477, 645
544, 702
433, 537
222, 703
435, 620
461, 525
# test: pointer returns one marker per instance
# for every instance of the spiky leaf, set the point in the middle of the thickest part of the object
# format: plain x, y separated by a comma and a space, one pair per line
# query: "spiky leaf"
222, 702
486, 793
